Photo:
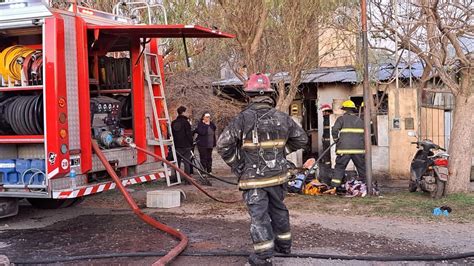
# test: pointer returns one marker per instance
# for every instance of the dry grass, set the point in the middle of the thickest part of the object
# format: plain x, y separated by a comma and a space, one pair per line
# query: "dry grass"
396, 204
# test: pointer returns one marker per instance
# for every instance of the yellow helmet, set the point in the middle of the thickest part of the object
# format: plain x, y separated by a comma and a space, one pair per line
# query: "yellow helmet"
362, 105
348, 104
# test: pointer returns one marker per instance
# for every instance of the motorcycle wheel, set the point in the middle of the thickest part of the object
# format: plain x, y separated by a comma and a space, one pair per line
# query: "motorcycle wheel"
412, 186
439, 191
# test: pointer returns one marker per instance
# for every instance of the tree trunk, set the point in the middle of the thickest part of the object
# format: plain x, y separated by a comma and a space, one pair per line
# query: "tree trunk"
460, 145
285, 100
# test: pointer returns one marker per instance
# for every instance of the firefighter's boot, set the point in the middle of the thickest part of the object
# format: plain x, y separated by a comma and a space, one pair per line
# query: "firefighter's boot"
255, 260
282, 250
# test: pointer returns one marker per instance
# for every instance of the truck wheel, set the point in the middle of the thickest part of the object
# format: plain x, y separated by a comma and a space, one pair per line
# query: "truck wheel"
8, 207
439, 191
51, 203
74, 202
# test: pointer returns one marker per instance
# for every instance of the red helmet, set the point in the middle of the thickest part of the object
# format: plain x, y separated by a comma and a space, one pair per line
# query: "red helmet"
258, 83
325, 107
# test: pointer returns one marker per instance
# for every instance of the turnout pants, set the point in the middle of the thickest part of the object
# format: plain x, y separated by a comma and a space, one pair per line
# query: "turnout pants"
342, 160
269, 222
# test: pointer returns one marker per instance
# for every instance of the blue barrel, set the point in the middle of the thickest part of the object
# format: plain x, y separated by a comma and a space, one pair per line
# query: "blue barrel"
21, 166
37, 178
8, 174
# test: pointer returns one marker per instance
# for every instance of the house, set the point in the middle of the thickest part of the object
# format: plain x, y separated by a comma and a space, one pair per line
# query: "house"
427, 112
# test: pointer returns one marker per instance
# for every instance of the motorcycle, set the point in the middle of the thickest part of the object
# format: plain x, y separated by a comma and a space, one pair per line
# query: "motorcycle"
429, 170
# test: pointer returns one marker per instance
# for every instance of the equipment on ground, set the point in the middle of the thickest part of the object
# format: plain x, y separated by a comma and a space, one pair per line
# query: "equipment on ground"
429, 170
71, 78
297, 183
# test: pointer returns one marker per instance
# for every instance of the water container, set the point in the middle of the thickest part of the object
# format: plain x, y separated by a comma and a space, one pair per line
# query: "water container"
72, 176
21, 166
8, 175
34, 177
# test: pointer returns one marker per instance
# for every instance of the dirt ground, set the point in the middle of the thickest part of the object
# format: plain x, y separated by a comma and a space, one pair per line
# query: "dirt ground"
103, 224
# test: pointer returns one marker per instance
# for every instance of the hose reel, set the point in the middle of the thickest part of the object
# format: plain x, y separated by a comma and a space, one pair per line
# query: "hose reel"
22, 115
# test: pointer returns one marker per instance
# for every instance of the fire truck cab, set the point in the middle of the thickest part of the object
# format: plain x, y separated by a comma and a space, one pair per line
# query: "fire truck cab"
68, 78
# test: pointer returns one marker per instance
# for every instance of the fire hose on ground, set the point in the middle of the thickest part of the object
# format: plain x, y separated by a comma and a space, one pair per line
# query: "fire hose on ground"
169, 256
149, 220
203, 171
246, 254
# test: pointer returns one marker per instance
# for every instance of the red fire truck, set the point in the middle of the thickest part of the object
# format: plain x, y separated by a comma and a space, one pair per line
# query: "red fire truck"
68, 78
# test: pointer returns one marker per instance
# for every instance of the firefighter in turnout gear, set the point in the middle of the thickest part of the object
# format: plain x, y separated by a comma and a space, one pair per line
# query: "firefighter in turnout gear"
348, 133
255, 145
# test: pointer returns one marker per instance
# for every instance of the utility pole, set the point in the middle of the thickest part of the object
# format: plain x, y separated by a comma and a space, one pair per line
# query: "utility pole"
367, 100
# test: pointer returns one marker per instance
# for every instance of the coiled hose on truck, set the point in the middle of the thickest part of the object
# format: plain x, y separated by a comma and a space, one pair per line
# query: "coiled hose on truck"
173, 253
18, 59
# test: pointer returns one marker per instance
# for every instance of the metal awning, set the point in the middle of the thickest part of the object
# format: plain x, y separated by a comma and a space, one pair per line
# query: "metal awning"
159, 31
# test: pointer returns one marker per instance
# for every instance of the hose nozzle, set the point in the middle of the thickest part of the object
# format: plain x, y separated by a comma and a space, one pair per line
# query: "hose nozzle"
123, 141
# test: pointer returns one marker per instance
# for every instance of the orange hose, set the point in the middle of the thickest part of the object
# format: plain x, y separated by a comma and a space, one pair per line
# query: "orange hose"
173, 253
190, 179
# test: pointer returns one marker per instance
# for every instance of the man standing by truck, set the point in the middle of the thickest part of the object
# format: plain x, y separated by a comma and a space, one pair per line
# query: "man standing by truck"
255, 145
183, 138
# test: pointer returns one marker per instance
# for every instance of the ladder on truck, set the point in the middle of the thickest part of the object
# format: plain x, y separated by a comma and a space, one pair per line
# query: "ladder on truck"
153, 80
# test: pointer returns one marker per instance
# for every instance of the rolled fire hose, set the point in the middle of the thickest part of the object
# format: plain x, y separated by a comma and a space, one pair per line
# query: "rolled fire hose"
11, 60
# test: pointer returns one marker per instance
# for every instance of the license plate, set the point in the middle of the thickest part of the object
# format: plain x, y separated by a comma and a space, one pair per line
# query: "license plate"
443, 173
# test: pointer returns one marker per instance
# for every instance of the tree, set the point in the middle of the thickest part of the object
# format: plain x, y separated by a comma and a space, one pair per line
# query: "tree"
247, 19
297, 29
436, 31
281, 35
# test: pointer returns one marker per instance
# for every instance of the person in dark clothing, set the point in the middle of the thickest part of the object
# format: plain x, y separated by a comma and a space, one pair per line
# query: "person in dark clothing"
255, 145
348, 133
206, 140
183, 138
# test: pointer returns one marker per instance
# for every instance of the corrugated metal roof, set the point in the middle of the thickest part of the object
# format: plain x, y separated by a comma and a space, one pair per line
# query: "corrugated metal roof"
331, 75
387, 71
348, 74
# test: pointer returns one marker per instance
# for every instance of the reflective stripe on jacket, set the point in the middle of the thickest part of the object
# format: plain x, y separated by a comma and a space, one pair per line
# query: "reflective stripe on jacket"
263, 182
349, 129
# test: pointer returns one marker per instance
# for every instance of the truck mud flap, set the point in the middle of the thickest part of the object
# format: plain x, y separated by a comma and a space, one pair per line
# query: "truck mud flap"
8, 207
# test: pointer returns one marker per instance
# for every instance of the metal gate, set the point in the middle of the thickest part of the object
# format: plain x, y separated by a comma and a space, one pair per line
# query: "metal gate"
436, 116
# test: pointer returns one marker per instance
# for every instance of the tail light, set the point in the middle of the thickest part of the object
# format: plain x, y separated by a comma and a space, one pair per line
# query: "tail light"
441, 162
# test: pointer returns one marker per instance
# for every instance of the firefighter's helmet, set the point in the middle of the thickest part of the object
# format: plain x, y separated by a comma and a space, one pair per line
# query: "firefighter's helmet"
259, 84
348, 105
325, 107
